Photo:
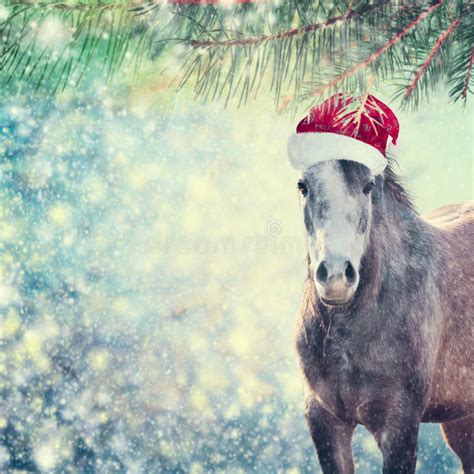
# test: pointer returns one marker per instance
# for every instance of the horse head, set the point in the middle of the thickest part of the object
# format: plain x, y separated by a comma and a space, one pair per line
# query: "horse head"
337, 208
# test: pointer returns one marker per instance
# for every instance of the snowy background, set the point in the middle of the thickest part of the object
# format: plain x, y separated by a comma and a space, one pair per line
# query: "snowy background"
151, 265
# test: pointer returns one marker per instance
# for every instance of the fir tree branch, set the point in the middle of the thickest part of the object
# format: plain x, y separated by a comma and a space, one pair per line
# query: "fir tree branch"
207, 2
131, 4
258, 40
299, 49
374, 56
76, 6
468, 74
430, 57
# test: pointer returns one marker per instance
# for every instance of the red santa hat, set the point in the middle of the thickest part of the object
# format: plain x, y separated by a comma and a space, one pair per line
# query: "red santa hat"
345, 128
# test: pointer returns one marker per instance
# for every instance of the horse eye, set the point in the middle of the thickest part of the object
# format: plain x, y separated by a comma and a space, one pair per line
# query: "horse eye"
302, 187
368, 187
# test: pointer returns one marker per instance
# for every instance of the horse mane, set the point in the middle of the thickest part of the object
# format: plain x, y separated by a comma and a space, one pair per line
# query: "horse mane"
395, 185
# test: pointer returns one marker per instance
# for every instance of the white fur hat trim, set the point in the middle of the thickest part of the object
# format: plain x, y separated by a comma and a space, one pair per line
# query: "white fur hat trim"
307, 149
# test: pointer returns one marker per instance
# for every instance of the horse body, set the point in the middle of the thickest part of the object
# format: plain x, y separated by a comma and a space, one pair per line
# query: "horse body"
399, 351
452, 389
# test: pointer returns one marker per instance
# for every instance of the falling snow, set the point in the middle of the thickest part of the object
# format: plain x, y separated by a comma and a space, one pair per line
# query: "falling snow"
147, 307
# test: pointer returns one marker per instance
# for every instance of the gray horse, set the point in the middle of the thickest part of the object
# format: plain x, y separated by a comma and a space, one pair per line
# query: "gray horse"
385, 332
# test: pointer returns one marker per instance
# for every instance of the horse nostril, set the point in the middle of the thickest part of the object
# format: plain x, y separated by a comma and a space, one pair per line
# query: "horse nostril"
322, 272
349, 272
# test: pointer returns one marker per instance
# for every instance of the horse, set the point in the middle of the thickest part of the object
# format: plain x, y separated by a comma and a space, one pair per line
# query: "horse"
385, 331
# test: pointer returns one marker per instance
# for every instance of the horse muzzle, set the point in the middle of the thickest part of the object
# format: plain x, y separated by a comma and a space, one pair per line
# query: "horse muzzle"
336, 282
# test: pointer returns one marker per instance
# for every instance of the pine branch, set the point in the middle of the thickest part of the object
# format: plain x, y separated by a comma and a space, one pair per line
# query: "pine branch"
377, 54
298, 49
133, 5
258, 40
430, 57
468, 75
76, 6
459, 72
